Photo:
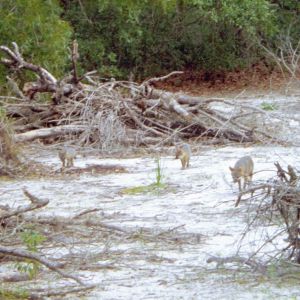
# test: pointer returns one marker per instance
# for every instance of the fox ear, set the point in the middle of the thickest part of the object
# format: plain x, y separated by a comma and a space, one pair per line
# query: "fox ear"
231, 169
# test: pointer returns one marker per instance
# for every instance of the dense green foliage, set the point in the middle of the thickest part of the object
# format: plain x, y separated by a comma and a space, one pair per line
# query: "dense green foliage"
37, 28
150, 36
147, 37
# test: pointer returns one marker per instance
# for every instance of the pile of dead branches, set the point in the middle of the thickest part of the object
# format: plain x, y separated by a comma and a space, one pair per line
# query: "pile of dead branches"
277, 201
273, 225
286, 199
107, 113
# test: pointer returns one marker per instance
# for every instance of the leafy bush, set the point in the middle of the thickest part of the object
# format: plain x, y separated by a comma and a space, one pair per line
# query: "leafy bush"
37, 28
149, 37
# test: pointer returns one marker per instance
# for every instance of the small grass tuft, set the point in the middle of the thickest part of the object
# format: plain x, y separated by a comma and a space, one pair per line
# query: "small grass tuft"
156, 186
16, 294
153, 187
268, 106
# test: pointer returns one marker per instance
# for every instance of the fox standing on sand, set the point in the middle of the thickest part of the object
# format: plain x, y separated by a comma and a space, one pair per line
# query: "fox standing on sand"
66, 156
242, 168
183, 152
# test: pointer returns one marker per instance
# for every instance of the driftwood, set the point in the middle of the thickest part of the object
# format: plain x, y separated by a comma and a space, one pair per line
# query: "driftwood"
35, 204
59, 293
48, 132
279, 196
254, 265
46, 81
16, 61
264, 187
75, 221
107, 113
37, 257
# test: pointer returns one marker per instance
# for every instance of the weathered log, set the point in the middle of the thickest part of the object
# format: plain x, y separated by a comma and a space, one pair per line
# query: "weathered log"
48, 132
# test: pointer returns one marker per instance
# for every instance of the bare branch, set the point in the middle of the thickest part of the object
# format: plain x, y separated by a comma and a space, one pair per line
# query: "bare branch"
151, 80
35, 204
18, 62
37, 257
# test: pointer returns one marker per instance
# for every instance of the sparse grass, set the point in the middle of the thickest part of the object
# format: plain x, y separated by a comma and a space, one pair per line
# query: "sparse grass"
158, 172
268, 106
13, 294
156, 186
153, 187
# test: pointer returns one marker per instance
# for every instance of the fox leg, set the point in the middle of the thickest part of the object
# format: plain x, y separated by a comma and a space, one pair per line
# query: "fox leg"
183, 163
244, 183
240, 185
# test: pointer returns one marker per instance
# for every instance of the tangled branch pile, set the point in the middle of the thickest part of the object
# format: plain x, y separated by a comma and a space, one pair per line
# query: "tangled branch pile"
107, 113
278, 202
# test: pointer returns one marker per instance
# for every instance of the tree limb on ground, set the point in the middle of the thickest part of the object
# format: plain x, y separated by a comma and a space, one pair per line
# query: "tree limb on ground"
35, 204
37, 257
254, 265
59, 293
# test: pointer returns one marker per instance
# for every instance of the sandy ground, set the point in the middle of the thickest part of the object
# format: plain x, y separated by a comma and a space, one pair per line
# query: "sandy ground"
198, 204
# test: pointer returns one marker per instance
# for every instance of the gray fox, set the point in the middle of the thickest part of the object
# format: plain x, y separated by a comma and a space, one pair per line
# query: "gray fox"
66, 156
242, 168
183, 152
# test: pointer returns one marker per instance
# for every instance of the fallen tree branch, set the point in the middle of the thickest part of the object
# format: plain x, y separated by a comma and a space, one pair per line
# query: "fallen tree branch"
48, 132
92, 222
155, 79
141, 124
60, 292
16, 61
85, 212
37, 257
254, 265
35, 204
251, 190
